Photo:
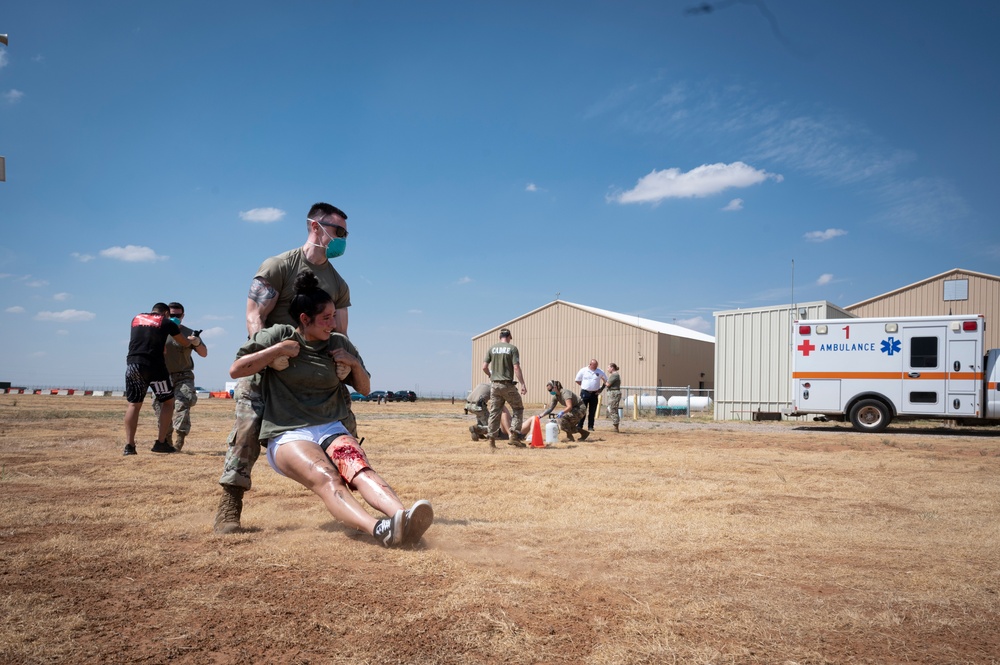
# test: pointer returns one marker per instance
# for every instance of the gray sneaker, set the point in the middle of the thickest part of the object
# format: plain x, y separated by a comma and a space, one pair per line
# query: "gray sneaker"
389, 531
416, 520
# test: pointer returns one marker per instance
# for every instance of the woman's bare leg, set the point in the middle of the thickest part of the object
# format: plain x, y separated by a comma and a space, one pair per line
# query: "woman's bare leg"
376, 492
307, 464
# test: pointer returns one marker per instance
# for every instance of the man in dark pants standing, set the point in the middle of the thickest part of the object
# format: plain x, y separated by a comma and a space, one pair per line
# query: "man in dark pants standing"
591, 380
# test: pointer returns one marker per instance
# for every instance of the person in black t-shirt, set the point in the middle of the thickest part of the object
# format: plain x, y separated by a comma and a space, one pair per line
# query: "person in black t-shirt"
146, 368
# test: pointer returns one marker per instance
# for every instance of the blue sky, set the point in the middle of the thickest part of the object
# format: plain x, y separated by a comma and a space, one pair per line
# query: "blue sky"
648, 158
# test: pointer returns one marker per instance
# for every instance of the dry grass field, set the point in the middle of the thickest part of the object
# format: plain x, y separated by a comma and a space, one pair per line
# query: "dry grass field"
673, 542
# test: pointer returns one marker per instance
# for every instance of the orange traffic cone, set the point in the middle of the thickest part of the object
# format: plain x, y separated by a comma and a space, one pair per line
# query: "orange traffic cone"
536, 434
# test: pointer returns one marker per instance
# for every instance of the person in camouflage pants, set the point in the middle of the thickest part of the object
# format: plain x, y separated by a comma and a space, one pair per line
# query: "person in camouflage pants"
502, 365
271, 293
573, 413
613, 398
181, 368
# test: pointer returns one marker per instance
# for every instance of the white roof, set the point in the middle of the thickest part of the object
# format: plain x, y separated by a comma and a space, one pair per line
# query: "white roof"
647, 324
638, 322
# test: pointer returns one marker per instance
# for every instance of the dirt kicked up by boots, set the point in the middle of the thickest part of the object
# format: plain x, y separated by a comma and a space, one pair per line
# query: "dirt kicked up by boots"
227, 518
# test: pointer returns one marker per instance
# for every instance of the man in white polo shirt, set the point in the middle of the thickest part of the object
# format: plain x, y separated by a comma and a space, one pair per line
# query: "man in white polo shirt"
591, 380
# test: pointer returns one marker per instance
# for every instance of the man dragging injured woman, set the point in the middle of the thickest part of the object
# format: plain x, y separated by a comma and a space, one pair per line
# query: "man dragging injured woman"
302, 412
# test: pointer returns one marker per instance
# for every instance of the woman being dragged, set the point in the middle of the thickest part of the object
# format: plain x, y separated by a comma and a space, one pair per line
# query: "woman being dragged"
303, 409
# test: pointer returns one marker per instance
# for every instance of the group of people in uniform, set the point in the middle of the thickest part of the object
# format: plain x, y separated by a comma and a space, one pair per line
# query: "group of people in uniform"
489, 401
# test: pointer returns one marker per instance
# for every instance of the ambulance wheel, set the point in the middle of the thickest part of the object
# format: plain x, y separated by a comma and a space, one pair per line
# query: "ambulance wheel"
870, 415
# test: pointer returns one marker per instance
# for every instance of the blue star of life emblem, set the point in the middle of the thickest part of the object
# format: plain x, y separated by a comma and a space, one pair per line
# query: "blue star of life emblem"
891, 346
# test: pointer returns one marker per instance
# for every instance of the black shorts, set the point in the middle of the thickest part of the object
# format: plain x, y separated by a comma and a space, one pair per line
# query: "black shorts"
139, 377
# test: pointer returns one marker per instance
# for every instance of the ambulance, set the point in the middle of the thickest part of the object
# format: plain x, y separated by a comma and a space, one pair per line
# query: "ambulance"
876, 370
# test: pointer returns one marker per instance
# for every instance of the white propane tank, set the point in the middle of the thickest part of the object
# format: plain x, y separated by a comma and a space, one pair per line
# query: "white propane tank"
551, 432
698, 402
646, 401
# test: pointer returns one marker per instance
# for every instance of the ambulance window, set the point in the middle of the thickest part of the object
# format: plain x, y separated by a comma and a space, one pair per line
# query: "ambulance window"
924, 352
923, 398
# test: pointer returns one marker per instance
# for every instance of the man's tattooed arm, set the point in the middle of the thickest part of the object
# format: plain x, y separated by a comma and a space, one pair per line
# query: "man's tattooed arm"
260, 301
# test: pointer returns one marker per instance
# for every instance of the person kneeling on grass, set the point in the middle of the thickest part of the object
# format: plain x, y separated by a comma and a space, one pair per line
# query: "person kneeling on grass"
302, 412
573, 413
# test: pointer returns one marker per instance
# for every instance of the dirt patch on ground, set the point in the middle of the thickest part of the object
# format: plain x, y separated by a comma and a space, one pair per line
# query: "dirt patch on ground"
671, 542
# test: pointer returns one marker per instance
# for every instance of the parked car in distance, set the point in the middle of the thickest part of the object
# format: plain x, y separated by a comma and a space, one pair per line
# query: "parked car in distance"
359, 397
380, 394
405, 396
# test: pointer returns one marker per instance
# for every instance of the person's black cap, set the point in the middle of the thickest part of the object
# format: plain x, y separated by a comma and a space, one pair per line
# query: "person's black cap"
505, 333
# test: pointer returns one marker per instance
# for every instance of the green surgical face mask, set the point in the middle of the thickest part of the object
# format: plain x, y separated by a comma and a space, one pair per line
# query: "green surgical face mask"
336, 248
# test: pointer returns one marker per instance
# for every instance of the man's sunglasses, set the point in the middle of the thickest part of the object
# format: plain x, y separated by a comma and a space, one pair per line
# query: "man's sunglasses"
339, 231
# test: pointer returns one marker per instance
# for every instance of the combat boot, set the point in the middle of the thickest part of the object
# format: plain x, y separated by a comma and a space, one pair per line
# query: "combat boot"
179, 443
227, 518
615, 426
473, 432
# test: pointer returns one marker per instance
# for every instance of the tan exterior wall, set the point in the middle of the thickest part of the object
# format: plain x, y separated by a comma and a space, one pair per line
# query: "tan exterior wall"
684, 362
926, 298
555, 341
753, 357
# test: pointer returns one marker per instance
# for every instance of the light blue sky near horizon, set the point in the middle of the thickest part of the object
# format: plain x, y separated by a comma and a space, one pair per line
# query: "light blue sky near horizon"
638, 157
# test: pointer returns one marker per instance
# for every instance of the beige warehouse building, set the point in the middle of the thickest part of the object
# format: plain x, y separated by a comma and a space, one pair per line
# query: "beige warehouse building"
559, 338
954, 292
753, 346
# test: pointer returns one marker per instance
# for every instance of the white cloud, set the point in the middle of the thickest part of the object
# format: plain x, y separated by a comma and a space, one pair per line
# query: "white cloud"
823, 236
704, 180
61, 296
213, 333
828, 147
414, 311
922, 205
36, 283
132, 254
532, 187
65, 315
697, 323
735, 204
62, 332
83, 258
464, 280
825, 278
262, 215
13, 96
38, 354
16, 309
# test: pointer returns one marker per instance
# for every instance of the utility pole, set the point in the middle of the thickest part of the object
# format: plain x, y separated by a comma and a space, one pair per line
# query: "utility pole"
3, 161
